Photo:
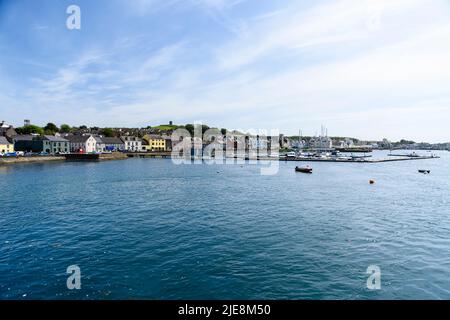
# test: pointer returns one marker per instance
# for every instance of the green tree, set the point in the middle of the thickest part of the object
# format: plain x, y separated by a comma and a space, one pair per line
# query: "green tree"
51, 128
107, 132
65, 128
190, 128
30, 129
204, 128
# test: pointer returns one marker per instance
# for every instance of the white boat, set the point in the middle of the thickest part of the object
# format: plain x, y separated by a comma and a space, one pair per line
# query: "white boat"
290, 155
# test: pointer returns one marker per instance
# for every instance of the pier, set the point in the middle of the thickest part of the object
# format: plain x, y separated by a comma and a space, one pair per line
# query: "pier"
368, 159
160, 154
82, 157
167, 155
361, 160
94, 156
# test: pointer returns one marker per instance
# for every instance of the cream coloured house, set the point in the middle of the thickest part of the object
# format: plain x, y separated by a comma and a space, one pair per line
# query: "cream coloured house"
5, 146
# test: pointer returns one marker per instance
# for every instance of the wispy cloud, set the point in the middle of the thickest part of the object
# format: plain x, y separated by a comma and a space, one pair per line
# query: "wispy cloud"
345, 64
40, 27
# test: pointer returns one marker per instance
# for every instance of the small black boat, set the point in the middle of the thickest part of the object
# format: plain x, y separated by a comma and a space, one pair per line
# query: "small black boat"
306, 169
425, 171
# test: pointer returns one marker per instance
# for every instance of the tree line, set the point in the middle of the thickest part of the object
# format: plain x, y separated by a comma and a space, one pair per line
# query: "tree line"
52, 129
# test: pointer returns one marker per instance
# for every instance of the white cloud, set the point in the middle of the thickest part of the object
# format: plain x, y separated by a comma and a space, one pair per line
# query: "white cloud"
145, 6
370, 69
341, 22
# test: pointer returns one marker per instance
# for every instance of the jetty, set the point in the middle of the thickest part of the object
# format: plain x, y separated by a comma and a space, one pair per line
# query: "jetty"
159, 154
94, 156
354, 149
364, 159
360, 160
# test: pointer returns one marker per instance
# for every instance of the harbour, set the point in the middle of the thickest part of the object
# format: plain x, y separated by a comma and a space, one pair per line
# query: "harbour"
146, 228
224, 159
168, 155
361, 160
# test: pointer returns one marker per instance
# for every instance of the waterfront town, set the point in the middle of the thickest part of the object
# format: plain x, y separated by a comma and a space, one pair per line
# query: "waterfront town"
32, 140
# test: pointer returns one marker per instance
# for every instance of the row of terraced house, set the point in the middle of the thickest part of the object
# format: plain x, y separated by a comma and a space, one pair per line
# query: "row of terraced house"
86, 143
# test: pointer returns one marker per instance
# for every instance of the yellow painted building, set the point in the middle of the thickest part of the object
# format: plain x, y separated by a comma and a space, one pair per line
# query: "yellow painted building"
155, 142
5, 145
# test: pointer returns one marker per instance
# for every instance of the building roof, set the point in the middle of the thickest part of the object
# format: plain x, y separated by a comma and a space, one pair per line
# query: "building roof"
98, 139
78, 138
112, 140
131, 138
3, 140
24, 137
9, 132
154, 137
3, 124
55, 139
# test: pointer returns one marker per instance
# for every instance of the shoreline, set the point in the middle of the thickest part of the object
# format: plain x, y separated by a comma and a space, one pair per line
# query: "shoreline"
25, 160
124, 156
44, 159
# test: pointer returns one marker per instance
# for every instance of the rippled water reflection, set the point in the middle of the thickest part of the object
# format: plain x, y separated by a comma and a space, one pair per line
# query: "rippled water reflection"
145, 228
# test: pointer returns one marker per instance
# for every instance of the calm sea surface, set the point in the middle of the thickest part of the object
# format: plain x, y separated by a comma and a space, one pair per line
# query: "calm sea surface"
146, 228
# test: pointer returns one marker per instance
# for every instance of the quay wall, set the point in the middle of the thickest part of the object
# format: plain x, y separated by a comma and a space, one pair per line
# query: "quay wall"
17, 160
113, 156
39, 159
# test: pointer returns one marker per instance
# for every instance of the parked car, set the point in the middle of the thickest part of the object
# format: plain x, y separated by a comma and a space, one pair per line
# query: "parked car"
11, 154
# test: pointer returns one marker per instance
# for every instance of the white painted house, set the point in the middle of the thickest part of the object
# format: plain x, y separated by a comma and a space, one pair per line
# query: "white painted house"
100, 146
132, 143
84, 143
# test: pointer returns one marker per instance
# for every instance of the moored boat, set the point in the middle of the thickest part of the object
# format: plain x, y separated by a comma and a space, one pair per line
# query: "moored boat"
306, 169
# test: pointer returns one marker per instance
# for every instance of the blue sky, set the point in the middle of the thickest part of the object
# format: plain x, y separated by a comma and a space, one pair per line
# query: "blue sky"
366, 68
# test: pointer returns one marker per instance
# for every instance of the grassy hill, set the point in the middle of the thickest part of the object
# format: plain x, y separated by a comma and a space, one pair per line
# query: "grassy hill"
167, 127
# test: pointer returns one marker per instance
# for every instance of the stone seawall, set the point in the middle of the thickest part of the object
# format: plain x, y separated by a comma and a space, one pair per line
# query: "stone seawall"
113, 156
14, 160
18, 160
